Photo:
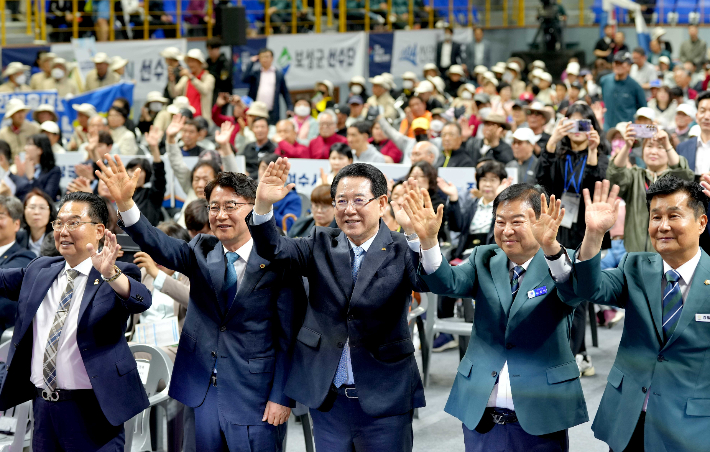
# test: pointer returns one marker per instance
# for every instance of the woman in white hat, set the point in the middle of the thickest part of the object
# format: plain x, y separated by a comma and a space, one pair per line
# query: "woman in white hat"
358, 87
84, 113
19, 130
100, 76
154, 104
58, 79
16, 78
323, 98
464, 98
197, 84
51, 129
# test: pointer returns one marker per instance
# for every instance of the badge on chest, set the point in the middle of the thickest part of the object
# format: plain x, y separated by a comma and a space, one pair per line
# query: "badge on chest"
537, 292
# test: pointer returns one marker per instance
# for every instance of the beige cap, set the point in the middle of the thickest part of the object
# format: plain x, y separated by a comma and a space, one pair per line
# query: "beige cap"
59, 62
178, 104
45, 107
480, 69
258, 109
14, 68
456, 69
358, 80
573, 68
409, 75
100, 57
328, 84
15, 105
514, 66
50, 126
424, 86
438, 83
379, 80
665, 60
430, 67
196, 54
172, 53
47, 56
117, 63
466, 87
546, 76
155, 96
86, 109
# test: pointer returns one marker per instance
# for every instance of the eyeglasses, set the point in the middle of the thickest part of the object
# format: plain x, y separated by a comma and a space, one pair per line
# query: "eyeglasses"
36, 207
358, 203
57, 225
228, 207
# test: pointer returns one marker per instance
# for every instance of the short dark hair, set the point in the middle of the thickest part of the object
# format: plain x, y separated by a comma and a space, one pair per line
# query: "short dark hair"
429, 172
214, 42
409, 102
197, 215
126, 103
192, 122
701, 96
243, 185
668, 185
201, 123
172, 229
640, 51
321, 195
260, 118
120, 110
144, 165
378, 181
105, 138
50, 202
13, 207
98, 212
521, 192
268, 158
342, 149
455, 124
6, 150
46, 160
200, 163
491, 166
363, 127
265, 50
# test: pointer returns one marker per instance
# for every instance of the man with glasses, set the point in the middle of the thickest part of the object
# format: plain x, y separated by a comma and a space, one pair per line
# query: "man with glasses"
234, 350
319, 147
68, 352
453, 155
353, 363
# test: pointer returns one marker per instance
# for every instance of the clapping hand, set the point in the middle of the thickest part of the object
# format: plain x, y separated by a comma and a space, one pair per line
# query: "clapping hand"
106, 259
79, 184
143, 260
449, 190
425, 221
154, 136
602, 210
545, 227
272, 186
400, 215
705, 182
119, 183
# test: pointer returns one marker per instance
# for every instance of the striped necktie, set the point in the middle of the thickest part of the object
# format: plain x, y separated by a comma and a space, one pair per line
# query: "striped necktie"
518, 271
49, 370
672, 304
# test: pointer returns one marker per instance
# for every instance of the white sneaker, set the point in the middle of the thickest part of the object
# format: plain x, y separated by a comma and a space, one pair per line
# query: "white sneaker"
585, 365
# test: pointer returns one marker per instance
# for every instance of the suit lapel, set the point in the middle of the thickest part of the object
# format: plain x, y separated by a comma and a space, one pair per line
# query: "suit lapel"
697, 295
12, 250
39, 291
652, 290
90, 290
216, 267
252, 275
533, 276
373, 259
340, 254
500, 274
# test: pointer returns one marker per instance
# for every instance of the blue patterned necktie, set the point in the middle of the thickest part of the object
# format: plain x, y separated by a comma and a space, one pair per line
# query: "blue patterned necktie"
230, 281
515, 283
672, 304
341, 375
49, 370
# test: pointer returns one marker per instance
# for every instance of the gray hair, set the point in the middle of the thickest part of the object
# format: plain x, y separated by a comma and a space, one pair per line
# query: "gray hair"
432, 149
13, 206
103, 120
328, 112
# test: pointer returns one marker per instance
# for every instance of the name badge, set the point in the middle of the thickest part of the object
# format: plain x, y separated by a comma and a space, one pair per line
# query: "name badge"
542, 291
702, 317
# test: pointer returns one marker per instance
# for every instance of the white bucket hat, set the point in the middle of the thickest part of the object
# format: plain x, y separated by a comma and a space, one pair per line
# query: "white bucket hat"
196, 54
117, 63
258, 109
172, 53
50, 126
13, 68
100, 57
155, 96
178, 104
45, 107
15, 105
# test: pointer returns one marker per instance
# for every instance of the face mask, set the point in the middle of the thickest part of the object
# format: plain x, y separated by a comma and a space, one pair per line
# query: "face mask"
57, 73
466, 95
408, 84
21, 79
318, 97
508, 77
536, 81
155, 106
436, 125
356, 89
302, 110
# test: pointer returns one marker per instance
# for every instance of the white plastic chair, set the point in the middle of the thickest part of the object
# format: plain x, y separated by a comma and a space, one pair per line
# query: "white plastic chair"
21, 416
138, 438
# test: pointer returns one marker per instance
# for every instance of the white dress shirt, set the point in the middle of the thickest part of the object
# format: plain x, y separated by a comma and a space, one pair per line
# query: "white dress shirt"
445, 54
266, 92
4, 248
702, 157
71, 373
501, 396
479, 51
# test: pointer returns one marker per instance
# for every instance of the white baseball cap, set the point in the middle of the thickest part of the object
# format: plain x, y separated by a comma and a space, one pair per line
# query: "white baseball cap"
665, 60
425, 86
50, 126
546, 76
645, 112
687, 109
525, 134
573, 68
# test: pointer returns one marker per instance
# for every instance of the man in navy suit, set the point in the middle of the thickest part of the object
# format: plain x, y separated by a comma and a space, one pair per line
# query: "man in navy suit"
68, 350
353, 362
234, 351
12, 255
697, 150
266, 83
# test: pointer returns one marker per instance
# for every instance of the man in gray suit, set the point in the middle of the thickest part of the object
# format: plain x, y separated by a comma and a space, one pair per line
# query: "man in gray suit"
478, 51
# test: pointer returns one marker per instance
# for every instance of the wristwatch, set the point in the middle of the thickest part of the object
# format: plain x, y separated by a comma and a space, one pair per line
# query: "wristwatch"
412, 236
115, 276
556, 256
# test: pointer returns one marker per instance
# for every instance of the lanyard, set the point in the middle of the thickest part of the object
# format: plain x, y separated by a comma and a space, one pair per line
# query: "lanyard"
446, 161
570, 181
525, 179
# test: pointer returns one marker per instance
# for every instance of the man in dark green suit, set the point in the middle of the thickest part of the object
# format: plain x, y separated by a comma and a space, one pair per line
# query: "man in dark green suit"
657, 397
518, 383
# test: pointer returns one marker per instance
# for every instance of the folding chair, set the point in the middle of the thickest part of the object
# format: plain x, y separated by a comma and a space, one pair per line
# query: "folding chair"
16, 419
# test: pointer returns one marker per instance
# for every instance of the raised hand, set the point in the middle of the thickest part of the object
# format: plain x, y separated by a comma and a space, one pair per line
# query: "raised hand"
105, 260
143, 260
154, 136
449, 190
20, 166
223, 135
175, 126
79, 184
505, 183
545, 227
425, 222
119, 183
705, 182
272, 186
602, 210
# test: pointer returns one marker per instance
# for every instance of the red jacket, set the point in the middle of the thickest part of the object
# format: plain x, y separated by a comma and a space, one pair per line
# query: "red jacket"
388, 148
219, 118
319, 148
292, 151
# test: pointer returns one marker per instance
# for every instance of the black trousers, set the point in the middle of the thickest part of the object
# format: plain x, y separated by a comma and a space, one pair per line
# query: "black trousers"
636, 441
579, 329
491, 437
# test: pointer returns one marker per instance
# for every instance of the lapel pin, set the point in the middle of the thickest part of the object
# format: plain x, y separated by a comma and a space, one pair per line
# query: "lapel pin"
4, 257
96, 282
384, 249
262, 266
707, 282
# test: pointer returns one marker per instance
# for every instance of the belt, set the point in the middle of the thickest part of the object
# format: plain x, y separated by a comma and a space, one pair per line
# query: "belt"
502, 416
60, 395
348, 391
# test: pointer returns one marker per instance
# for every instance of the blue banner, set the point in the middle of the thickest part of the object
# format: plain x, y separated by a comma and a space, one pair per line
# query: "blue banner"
101, 99
32, 99
380, 51
240, 59
24, 55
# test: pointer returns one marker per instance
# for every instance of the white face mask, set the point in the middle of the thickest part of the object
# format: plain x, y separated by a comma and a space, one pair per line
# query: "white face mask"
21, 79
408, 84
155, 106
356, 89
466, 95
436, 125
508, 77
536, 81
302, 110
57, 73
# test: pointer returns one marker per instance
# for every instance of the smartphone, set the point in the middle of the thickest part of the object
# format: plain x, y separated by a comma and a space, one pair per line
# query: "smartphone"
128, 246
581, 125
644, 130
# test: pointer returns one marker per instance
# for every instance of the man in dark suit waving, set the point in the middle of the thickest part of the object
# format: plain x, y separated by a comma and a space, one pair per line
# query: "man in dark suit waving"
353, 362
68, 350
234, 351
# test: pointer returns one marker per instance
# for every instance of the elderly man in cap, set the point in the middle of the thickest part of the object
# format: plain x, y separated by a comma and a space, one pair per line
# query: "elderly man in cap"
622, 95
172, 58
58, 79
84, 112
267, 84
494, 127
538, 117
43, 113
118, 64
524, 160
45, 64
197, 84
100, 76
381, 97
20, 129
51, 130
16, 78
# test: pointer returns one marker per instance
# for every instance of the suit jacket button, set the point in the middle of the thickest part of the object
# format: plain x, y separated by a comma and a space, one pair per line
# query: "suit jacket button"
223, 329
661, 358
644, 389
351, 317
214, 355
139, 297
494, 374
509, 346
341, 344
